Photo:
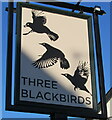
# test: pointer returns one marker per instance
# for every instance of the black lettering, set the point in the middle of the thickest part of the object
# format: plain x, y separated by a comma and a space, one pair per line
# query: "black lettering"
46, 96
24, 93
62, 98
80, 100
30, 94
54, 84
73, 99
47, 83
31, 82
24, 80
39, 95
67, 98
88, 102
40, 82
54, 97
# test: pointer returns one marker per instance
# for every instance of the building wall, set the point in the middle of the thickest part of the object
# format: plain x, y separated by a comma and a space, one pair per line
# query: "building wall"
109, 108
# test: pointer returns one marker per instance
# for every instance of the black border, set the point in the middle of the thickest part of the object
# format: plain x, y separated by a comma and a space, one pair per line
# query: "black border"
50, 108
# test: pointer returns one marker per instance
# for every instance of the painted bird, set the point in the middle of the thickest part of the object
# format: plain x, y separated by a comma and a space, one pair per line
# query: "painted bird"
38, 26
51, 57
77, 80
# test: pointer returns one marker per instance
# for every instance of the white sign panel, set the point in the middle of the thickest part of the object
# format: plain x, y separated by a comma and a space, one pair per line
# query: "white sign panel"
55, 65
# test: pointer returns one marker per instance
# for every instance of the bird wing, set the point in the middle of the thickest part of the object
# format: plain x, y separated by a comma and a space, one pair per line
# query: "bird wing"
79, 78
33, 16
45, 61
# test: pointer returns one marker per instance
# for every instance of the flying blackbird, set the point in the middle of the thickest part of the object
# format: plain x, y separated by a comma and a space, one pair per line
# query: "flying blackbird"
50, 57
77, 80
39, 27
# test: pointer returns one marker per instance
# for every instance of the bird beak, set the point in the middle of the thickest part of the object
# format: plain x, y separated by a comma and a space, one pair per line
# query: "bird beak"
25, 25
63, 74
41, 43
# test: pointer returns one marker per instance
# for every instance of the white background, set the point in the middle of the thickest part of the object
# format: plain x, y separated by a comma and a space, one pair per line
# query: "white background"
73, 41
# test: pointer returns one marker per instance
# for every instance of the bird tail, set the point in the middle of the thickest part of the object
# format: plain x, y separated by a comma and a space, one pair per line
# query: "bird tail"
53, 36
88, 92
64, 64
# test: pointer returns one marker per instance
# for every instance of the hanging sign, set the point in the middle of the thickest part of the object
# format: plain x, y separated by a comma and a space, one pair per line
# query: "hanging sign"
54, 62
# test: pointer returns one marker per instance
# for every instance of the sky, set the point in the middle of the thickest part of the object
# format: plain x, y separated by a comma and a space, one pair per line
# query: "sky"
105, 42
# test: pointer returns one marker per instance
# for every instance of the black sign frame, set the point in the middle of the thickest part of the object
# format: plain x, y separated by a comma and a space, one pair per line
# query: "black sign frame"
52, 108
24, 106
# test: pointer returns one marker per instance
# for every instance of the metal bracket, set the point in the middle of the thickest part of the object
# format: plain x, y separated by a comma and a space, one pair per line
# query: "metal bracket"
75, 7
7, 9
78, 3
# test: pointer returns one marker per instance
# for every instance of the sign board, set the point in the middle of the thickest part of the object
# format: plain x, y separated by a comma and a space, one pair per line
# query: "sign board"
55, 59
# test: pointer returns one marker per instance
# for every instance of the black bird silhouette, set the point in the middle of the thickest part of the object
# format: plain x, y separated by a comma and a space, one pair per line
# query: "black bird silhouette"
39, 27
77, 80
50, 57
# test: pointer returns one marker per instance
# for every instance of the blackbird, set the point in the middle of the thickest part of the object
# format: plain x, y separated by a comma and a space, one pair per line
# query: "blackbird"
77, 80
50, 57
39, 27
